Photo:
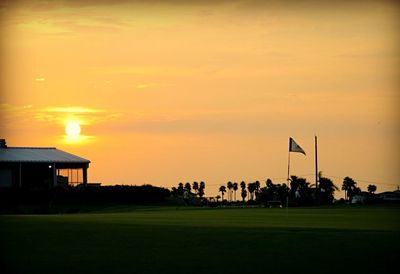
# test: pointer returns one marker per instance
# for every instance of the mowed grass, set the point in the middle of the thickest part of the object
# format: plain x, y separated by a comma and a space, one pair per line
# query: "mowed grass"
181, 240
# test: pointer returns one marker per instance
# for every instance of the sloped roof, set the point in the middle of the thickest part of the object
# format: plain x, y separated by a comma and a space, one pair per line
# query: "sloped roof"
39, 155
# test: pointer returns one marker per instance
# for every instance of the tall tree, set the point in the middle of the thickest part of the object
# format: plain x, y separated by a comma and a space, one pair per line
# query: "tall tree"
257, 187
327, 188
349, 186
201, 189
243, 192
195, 187
188, 187
300, 190
230, 187
251, 187
222, 189
180, 189
235, 188
268, 183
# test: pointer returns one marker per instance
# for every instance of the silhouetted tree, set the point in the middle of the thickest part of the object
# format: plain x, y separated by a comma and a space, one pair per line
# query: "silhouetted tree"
195, 187
188, 187
235, 188
251, 187
300, 190
243, 192
327, 189
201, 189
349, 186
222, 189
257, 187
180, 189
273, 192
230, 186
174, 191
283, 192
371, 188
218, 197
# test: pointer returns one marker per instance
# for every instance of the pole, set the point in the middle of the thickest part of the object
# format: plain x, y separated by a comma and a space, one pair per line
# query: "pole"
316, 164
288, 166
54, 175
20, 175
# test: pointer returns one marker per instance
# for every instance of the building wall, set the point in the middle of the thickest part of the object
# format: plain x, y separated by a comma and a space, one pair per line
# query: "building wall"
6, 178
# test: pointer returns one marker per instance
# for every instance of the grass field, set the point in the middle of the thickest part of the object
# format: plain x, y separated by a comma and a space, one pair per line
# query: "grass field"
180, 240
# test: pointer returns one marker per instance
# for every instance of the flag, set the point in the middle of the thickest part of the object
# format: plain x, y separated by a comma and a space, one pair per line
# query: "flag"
293, 147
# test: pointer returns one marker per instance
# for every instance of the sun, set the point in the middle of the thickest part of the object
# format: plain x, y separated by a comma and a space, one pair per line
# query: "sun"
72, 129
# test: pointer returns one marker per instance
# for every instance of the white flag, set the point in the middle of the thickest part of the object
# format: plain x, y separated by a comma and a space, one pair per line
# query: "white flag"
293, 147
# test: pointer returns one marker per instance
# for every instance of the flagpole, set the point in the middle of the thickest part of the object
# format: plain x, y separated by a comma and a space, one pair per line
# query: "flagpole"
288, 181
288, 166
316, 165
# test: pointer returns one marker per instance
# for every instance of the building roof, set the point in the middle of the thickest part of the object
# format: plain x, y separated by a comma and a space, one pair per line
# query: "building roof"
38, 155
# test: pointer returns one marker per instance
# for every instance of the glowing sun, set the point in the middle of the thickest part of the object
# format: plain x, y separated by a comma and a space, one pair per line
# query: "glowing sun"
72, 129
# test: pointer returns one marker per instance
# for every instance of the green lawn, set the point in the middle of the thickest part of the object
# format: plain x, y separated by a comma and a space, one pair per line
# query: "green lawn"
179, 240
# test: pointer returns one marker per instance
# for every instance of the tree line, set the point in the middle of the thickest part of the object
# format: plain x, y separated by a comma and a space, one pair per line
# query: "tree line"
297, 191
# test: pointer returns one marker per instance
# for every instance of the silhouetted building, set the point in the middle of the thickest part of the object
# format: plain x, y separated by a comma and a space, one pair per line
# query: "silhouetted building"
361, 198
39, 167
390, 196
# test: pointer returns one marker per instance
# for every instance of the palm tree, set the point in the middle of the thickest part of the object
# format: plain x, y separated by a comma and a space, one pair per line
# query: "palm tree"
230, 186
300, 190
201, 189
222, 189
218, 197
235, 188
251, 187
326, 185
257, 187
327, 188
371, 188
269, 183
349, 186
244, 192
195, 187
188, 187
180, 189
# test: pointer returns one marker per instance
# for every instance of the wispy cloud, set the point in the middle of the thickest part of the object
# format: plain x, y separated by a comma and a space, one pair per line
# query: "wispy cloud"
76, 110
146, 85
85, 115
56, 115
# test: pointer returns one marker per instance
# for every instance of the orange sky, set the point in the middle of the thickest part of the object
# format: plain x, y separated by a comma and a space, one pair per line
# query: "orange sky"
211, 90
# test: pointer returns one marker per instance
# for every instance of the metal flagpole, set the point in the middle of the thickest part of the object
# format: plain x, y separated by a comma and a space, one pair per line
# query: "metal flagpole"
288, 167
288, 180
316, 167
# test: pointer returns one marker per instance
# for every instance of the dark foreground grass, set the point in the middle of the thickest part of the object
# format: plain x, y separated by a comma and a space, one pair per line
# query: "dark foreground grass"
170, 240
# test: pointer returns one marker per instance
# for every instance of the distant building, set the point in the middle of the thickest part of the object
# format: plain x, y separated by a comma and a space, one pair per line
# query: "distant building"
390, 196
360, 198
39, 167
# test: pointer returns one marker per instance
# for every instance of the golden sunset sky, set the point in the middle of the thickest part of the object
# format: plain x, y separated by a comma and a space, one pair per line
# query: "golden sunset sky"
176, 91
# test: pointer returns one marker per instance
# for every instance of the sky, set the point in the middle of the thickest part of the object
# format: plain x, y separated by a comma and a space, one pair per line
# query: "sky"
177, 91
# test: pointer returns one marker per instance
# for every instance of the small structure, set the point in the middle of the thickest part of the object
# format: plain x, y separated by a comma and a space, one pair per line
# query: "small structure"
360, 198
39, 166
